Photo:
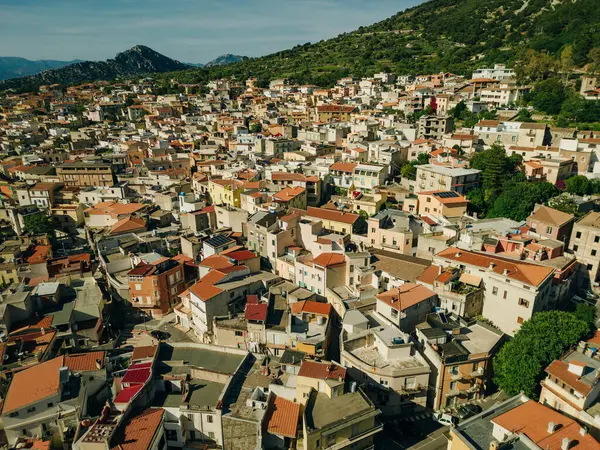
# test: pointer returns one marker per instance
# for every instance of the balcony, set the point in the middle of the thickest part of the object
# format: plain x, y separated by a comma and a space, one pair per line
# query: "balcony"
477, 373
455, 392
475, 388
456, 376
392, 246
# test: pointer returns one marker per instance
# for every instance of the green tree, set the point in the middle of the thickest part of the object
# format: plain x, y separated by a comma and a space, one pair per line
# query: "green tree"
548, 96
423, 158
520, 363
518, 199
409, 171
578, 185
38, 224
586, 313
362, 213
524, 116
495, 168
594, 57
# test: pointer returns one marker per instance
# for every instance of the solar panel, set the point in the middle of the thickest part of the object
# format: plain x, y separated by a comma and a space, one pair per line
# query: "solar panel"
449, 194
443, 318
218, 240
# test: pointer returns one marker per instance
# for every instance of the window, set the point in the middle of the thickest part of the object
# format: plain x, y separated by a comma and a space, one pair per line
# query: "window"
520, 320
30, 410
495, 290
575, 247
190, 417
578, 235
209, 418
171, 435
596, 239
523, 302
505, 295
211, 435
394, 313
50, 405
453, 385
549, 230
14, 414
239, 333
593, 252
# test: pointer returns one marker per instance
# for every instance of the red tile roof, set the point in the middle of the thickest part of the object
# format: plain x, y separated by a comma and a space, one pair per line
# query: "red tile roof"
137, 374
405, 296
143, 352
532, 418
311, 307
528, 273
33, 384
128, 224
336, 216
139, 432
128, 393
256, 312
282, 417
329, 259
321, 371
85, 362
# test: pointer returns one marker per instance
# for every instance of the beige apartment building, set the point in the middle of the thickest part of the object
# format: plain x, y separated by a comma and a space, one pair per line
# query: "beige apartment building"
442, 204
389, 230
86, 174
585, 245
432, 177
514, 290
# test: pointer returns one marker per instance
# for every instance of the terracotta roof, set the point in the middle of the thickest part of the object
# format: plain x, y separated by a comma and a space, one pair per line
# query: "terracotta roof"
560, 370
405, 296
40, 254
215, 262
429, 275
287, 194
143, 352
205, 288
336, 216
115, 209
256, 312
242, 255
128, 224
343, 167
33, 384
139, 432
137, 373
85, 362
528, 273
329, 259
321, 371
311, 307
287, 176
282, 417
552, 216
532, 418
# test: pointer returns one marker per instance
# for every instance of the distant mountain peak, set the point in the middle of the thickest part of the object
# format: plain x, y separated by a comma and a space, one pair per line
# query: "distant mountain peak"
138, 60
223, 60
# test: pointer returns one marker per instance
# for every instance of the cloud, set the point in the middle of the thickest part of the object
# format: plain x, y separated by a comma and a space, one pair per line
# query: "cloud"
188, 30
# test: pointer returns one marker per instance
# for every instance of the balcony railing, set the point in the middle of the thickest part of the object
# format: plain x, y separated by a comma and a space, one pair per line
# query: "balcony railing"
477, 373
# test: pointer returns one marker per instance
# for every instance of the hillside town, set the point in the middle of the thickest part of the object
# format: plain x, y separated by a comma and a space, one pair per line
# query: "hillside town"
247, 266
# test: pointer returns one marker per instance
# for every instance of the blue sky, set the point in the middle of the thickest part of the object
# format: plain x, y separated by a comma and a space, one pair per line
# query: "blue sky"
187, 30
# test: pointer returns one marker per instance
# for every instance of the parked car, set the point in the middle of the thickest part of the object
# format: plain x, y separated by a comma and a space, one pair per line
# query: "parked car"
445, 419
465, 411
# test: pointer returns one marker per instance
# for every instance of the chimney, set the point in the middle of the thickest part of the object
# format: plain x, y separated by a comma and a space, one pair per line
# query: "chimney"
551, 427
457, 254
494, 444
491, 266
565, 444
505, 272
583, 431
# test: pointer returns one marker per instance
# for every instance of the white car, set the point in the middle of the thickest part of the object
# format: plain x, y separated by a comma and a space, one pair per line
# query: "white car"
445, 419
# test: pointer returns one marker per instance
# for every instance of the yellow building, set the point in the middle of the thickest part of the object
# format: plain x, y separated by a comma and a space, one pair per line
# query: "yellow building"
225, 192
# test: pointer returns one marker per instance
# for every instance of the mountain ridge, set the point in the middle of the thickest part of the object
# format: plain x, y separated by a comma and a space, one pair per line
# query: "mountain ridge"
138, 60
15, 66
